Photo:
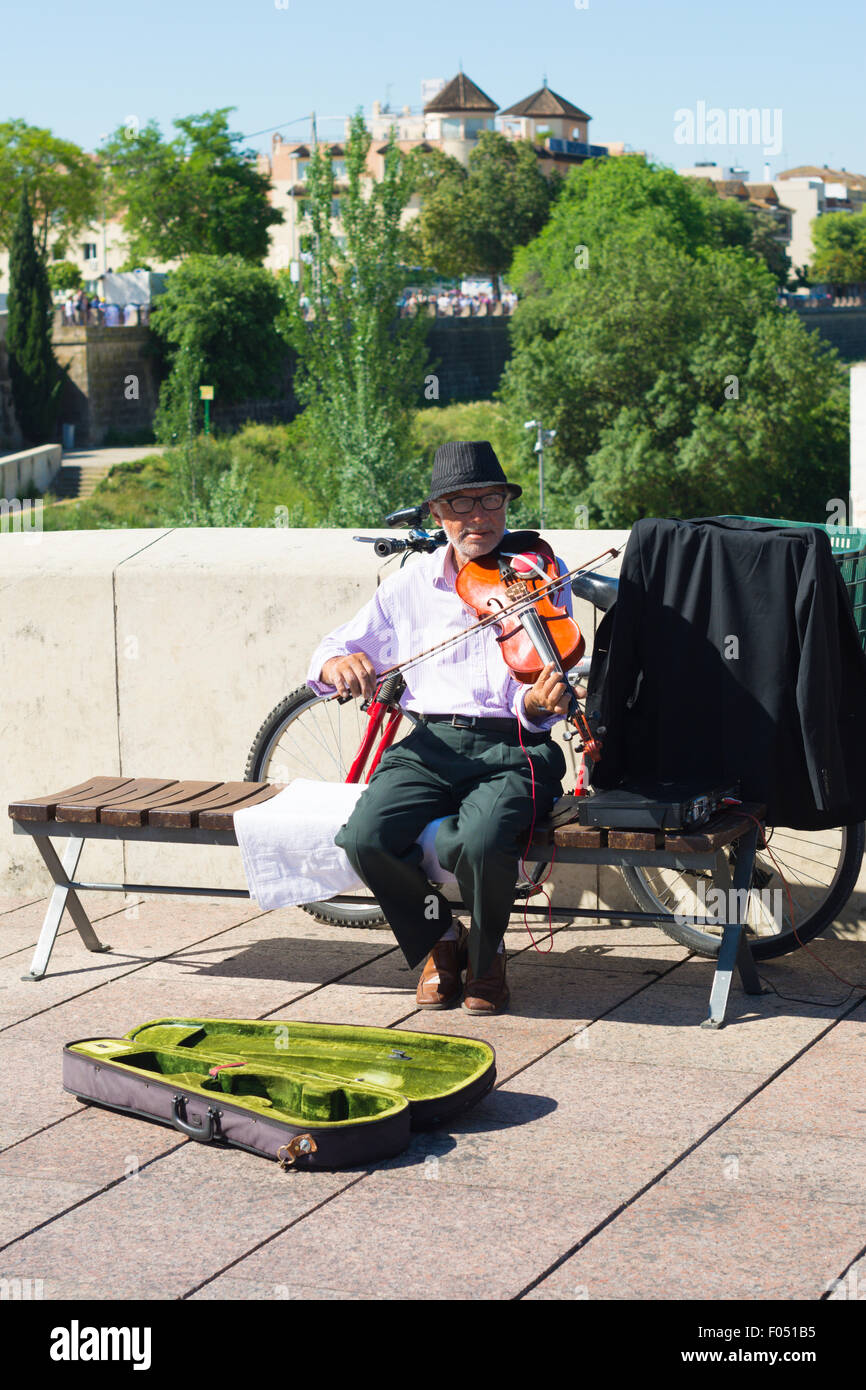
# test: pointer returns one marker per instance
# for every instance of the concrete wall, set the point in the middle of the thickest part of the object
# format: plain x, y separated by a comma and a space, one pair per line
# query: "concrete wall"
36, 467
111, 382
159, 653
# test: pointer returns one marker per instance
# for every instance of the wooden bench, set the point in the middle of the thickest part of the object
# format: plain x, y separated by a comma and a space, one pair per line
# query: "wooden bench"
162, 811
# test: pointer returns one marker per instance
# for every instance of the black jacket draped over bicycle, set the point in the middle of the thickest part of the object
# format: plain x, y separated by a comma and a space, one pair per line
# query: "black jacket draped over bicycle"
732, 655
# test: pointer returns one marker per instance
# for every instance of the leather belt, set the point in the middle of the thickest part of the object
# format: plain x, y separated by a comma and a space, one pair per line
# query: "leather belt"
490, 723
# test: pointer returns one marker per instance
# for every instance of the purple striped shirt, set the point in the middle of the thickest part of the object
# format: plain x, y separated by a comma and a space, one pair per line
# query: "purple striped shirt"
411, 611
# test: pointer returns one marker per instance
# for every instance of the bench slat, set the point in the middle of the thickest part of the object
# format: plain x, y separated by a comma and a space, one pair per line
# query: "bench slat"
86, 811
136, 811
43, 808
224, 820
575, 836
226, 797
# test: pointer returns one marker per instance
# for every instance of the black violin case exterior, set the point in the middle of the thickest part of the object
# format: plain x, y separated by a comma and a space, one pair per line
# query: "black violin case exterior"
311, 1095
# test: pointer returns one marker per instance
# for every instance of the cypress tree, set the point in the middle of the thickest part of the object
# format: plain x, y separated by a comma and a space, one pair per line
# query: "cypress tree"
33, 368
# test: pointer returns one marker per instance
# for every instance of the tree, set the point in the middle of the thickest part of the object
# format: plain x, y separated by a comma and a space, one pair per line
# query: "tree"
64, 275
217, 319
360, 366
198, 194
748, 226
676, 384
472, 220
33, 368
839, 239
62, 184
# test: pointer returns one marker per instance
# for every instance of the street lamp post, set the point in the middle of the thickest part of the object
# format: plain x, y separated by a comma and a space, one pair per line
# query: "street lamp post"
543, 437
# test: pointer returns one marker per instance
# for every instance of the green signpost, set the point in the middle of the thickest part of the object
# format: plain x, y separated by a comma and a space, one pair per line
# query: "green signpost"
206, 394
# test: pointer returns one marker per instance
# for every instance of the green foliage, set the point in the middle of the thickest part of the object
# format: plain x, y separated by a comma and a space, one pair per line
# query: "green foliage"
217, 319
209, 487
360, 366
676, 385
62, 184
472, 220
199, 193
839, 239
744, 225
284, 467
33, 368
64, 276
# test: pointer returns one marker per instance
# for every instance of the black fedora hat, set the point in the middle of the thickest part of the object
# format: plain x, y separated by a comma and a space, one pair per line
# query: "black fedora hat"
467, 463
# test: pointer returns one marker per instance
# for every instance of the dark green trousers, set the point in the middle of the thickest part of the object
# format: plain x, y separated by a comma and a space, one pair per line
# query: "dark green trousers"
481, 782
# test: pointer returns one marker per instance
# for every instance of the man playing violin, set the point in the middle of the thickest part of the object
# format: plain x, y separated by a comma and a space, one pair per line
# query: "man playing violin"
465, 763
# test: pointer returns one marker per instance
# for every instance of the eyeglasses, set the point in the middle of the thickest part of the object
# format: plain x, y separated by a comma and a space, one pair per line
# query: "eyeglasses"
462, 506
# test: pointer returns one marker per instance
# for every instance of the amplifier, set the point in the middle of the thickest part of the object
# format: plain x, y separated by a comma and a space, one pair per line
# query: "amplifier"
661, 806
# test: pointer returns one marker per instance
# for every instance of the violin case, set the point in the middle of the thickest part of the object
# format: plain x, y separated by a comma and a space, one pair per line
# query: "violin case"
311, 1095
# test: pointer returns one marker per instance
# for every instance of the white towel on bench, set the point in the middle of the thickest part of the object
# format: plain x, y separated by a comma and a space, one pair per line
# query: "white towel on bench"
287, 844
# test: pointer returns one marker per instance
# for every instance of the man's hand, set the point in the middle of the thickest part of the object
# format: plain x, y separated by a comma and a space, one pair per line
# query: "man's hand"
547, 696
354, 674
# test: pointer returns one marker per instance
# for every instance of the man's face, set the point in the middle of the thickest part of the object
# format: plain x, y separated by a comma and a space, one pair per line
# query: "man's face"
477, 531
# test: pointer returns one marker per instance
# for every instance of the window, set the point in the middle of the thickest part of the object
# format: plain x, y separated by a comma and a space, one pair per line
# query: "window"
88, 250
339, 168
452, 128
335, 207
303, 165
475, 125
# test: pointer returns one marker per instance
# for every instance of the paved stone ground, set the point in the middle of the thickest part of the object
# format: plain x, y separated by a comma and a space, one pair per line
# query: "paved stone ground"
625, 1152
107, 458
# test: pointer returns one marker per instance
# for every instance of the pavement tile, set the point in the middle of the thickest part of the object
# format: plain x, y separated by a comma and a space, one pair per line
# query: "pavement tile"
713, 1245
807, 971
73, 969
27, 1201
594, 948
20, 926
533, 1143
183, 1218
395, 1237
606, 1095
231, 1287
823, 1093
661, 1026
814, 1168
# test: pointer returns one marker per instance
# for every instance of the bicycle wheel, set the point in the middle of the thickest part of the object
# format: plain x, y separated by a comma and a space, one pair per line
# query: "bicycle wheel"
820, 868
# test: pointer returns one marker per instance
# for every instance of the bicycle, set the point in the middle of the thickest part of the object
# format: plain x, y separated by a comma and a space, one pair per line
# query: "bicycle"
335, 739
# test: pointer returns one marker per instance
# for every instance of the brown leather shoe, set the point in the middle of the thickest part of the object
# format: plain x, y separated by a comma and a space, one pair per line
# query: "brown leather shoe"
489, 993
439, 985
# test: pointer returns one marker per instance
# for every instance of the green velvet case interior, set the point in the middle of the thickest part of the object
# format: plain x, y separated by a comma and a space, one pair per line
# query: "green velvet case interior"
302, 1073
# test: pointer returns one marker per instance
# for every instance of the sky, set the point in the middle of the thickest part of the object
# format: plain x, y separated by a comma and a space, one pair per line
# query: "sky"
644, 71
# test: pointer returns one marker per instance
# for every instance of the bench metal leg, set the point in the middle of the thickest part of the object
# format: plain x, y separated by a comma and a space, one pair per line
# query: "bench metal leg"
63, 896
734, 951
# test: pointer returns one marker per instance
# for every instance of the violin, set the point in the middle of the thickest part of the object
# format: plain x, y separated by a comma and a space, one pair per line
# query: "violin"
538, 633
542, 633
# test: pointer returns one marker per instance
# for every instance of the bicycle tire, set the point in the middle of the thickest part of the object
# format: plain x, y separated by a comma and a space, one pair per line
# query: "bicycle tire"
823, 906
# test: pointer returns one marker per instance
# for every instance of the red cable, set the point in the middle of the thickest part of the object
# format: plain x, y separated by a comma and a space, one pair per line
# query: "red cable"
523, 860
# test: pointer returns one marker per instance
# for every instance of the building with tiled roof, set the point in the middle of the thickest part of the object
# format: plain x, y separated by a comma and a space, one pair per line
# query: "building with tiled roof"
460, 94
452, 117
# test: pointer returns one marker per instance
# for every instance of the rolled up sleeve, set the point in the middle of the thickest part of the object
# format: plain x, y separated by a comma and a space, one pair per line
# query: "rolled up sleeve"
369, 631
